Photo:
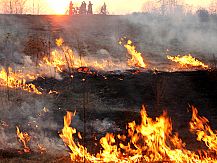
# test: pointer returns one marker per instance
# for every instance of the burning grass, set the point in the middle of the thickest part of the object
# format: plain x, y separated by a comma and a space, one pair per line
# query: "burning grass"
63, 58
24, 138
187, 61
15, 80
150, 141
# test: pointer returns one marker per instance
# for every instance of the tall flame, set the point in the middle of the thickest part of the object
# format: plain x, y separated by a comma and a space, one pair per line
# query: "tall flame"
79, 152
17, 80
150, 141
199, 125
24, 138
136, 60
188, 61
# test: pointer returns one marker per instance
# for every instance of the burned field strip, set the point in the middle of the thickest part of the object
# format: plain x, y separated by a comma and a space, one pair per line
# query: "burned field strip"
112, 99
126, 92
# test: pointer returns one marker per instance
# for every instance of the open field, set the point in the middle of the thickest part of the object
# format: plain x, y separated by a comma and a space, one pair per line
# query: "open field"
105, 101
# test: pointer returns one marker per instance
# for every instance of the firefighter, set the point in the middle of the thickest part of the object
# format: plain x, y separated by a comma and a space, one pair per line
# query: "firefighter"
90, 8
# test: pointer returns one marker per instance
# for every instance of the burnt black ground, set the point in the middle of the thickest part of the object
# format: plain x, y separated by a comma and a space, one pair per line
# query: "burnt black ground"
158, 91
128, 91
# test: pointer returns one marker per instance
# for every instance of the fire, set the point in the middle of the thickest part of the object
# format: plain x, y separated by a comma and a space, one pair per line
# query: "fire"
24, 138
136, 60
79, 152
187, 61
62, 58
11, 79
150, 141
59, 42
199, 125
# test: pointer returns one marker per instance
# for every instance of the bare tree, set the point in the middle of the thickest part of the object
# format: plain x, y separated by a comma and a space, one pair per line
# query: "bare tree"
13, 6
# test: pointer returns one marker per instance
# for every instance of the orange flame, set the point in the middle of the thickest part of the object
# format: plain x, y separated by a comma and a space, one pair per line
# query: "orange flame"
59, 42
17, 80
187, 61
79, 152
64, 58
24, 138
199, 125
151, 141
136, 60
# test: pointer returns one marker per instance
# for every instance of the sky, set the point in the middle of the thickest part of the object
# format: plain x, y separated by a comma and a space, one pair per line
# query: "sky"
114, 6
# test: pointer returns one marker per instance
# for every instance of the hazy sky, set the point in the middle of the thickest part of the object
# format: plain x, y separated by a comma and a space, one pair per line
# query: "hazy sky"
114, 6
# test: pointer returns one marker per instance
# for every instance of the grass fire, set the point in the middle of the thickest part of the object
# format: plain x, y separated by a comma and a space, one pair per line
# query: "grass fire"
123, 82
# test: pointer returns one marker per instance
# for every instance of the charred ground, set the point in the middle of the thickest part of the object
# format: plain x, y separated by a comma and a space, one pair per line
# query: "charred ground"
110, 99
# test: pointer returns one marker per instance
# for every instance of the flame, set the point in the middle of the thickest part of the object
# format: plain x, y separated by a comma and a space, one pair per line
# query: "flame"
24, 138
79, 152
187, 61
150, 141
199, 125
59, 42
64, 58
136, 60
17, 80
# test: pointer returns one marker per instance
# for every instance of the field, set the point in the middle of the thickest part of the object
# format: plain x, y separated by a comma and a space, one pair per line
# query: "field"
106, 98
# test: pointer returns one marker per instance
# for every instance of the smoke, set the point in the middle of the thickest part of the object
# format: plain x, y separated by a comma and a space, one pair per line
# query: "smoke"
180, 34
33, 115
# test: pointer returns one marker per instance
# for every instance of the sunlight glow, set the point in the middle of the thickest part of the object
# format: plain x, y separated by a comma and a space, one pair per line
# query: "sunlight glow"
58, 7
115, 7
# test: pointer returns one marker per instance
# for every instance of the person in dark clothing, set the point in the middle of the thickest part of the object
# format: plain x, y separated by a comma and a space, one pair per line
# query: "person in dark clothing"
83, 9
90, 8
104, 9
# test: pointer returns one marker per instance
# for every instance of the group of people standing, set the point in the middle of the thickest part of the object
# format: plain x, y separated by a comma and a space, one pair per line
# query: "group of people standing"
82, 10
85, 9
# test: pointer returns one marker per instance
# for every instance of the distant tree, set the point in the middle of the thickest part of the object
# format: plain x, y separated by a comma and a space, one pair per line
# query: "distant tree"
13, 6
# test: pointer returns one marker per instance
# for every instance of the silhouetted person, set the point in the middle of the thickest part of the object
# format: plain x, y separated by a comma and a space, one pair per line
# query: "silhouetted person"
104, 9
71, 8
90, 8
83, 8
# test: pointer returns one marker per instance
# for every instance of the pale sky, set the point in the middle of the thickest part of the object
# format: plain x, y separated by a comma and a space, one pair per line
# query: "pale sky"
114, 6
